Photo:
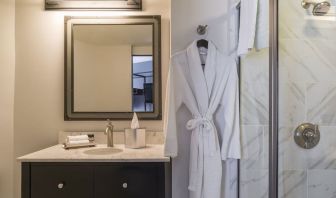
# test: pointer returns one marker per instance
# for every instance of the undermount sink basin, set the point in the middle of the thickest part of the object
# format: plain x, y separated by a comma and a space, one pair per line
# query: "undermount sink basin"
103, 151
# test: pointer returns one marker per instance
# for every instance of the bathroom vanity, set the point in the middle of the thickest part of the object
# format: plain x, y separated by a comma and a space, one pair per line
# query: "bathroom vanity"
112, 69
96, 172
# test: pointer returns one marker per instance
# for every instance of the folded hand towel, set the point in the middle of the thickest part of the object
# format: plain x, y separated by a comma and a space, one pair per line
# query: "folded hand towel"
254, 25
77, 137
78, 142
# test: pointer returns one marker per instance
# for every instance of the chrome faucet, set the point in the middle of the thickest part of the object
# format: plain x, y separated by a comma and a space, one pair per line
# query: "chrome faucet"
109, 133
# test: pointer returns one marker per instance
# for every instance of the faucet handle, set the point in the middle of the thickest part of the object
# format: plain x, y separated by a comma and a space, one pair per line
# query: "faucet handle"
109, 122
109, 126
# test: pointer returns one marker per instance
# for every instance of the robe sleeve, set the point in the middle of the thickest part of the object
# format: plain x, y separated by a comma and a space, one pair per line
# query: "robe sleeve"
173, 101
231, 146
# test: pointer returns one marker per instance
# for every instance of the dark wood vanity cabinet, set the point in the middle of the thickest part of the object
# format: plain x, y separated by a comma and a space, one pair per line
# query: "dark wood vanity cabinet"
95, 180
56, 181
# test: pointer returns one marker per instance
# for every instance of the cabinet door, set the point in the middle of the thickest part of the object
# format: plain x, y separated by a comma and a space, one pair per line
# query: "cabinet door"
61, 181
127, 181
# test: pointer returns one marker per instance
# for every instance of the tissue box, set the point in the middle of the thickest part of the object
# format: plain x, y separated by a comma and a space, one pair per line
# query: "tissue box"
135, 138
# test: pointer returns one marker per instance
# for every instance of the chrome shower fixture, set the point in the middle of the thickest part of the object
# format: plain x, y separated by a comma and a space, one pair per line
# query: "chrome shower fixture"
319, 9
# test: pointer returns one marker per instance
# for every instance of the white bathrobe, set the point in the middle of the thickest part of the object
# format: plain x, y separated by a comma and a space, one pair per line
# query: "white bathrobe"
202, 126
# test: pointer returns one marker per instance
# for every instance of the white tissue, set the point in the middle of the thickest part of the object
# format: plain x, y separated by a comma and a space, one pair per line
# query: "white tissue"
135, 122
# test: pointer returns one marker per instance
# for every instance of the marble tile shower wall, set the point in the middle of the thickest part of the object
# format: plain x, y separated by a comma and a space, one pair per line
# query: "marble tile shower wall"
307, 93
254, 125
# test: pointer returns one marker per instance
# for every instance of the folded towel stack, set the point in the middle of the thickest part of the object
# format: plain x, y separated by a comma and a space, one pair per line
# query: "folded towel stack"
79, 139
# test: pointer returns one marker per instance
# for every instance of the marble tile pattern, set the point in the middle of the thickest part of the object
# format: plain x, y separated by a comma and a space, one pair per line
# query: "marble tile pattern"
254, 88
307, 93
307, 65
254, 113
254, 147
253, 183
322, 184
118, 137
293, 184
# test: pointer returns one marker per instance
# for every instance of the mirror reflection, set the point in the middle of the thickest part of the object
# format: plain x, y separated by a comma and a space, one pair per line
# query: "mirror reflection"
143, 83
112, 68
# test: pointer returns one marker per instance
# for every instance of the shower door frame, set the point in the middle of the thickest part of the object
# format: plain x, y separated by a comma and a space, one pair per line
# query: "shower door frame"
273, 98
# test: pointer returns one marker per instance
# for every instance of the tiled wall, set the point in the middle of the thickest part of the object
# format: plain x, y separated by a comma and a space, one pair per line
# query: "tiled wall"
307, 93
254, 125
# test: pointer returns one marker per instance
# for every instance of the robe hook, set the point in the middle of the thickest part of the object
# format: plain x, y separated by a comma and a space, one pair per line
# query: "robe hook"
202, 29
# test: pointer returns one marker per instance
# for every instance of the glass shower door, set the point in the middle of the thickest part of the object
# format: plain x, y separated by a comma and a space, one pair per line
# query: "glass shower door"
254, 108
307, 94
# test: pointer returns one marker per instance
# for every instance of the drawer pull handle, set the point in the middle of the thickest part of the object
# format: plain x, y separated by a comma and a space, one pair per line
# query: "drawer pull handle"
60, 185
124, 185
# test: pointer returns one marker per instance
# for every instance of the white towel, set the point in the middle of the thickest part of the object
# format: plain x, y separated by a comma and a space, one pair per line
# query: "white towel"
78, 142
247, 25
77, 137
253, 28
262, 29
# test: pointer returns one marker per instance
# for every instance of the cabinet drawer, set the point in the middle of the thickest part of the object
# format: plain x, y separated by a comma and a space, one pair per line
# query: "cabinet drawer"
127, 181
61, 181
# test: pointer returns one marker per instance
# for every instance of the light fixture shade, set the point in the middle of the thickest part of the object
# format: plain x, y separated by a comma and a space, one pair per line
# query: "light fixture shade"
93, 4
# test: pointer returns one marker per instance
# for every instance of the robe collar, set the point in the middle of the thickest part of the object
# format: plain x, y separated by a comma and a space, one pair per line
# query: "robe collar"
203, 81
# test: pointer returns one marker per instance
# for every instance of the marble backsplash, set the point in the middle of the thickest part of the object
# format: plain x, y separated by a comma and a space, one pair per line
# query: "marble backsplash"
118, 137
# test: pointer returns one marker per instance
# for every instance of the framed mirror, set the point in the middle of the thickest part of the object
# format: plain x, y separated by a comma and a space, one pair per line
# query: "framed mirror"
112, 68
93, 4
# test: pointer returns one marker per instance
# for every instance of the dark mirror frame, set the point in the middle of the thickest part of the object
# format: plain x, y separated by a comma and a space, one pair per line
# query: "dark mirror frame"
69, 113
93, 5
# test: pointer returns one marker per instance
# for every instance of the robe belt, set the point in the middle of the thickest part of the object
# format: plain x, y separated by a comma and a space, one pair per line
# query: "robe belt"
205, 122
203, 126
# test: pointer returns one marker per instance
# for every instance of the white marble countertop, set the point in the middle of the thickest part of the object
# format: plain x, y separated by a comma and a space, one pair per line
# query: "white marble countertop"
152, 153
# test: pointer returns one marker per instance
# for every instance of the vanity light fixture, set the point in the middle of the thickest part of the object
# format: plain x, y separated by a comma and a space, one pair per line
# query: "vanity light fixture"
93, 4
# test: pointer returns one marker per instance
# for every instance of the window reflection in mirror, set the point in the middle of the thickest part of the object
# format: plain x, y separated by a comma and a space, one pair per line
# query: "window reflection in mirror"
143, 83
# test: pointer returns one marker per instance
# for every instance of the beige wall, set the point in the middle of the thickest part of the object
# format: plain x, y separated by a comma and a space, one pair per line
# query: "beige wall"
108, 68
39, 75
7, 70
188, 14
142, 50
